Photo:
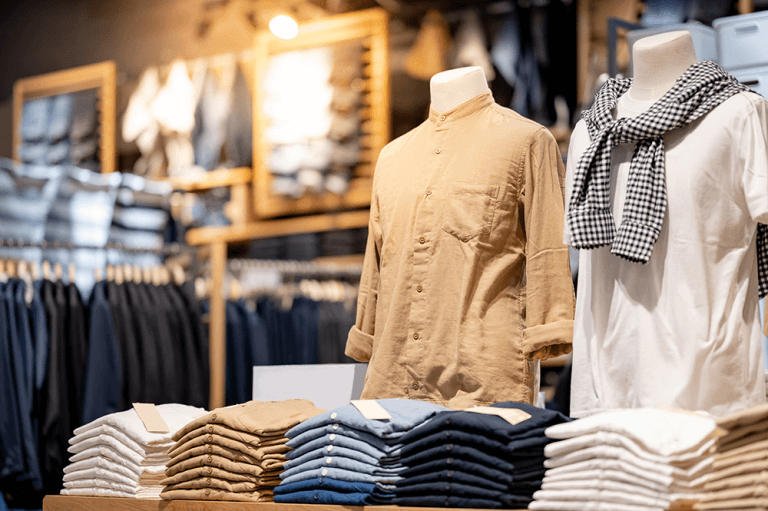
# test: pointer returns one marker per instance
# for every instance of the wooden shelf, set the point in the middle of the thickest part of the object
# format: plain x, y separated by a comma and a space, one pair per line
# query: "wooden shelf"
213, 179
353, 259
281, 227
66, 503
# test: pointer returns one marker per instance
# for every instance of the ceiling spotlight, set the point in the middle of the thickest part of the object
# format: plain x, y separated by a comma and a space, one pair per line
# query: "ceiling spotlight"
284, 27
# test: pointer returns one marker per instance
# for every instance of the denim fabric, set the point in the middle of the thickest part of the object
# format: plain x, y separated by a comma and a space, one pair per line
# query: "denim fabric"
40, 334
461, 452
342, 463
341, 430
506, 49
34, 118
104, 369
305, 319
529, 445
476, 469
331, 451
58, 153
323, 483
35, 153
489, 425
60, 117
342, 475
459, 476
405, 415
10, 396
340, 440
324, 497
451, 488
445, 501
83, 114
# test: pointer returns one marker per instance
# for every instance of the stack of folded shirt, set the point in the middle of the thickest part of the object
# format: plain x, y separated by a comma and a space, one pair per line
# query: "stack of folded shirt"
340, 457
233, 453
640, 459
739, 476
476, 458
116, 456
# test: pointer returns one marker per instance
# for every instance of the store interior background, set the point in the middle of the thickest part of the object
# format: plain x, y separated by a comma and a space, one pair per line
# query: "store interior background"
568, 37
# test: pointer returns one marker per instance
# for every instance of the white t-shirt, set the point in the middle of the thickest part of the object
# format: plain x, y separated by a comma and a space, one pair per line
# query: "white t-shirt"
683, 330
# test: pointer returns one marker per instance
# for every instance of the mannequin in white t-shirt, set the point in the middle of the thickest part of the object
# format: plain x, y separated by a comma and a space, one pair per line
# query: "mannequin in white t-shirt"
682, 330
450, 89
657, 62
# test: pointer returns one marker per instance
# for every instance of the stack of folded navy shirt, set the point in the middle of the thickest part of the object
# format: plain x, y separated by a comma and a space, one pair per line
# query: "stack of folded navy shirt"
340, 457
477, 460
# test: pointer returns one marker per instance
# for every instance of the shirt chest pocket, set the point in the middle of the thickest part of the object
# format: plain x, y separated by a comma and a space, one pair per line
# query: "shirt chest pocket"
469, 209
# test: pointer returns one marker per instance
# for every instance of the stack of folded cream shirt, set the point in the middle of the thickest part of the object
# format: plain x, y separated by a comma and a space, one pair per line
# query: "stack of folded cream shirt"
739, 478
628, 460
116, 456
234, 453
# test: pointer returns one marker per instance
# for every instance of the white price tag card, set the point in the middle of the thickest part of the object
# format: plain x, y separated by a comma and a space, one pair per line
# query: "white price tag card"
370, 409
511, 415
151, 418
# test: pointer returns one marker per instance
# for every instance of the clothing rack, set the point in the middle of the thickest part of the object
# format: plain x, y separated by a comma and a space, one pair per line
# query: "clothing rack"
170, 249
297, 268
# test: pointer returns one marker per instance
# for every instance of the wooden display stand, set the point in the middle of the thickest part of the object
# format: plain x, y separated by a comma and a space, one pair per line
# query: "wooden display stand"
62, 503
370, 28
102, 77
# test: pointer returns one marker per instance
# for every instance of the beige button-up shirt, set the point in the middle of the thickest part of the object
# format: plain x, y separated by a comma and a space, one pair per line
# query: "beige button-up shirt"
466, 278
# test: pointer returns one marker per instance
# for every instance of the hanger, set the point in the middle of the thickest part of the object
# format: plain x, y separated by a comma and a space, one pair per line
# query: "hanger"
165, 273
35, 271
58, 271
47, 270
146, 275
110, 272
119, 275
128, 272
10, 268
156, 277
138, 275
71, 274
97, 273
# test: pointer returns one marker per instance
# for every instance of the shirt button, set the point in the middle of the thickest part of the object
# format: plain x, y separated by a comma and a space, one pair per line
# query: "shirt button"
213, 417
449, 461
329, 448
317, 496
207, 492
324, 472
448, 434
210, 448
429, 191
209, 439
447, 487
415, 386
415, 335
210, 429
332, 437
442, 117
208, 481
335, 426
419, 289
450, 473
438, 151
334, 415
422, 240
210, 459
210, 470
328, 460
449, 447
447, 502
448, 420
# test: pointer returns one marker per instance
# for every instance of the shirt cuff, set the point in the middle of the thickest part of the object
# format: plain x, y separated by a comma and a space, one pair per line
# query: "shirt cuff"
548, 341
359, 345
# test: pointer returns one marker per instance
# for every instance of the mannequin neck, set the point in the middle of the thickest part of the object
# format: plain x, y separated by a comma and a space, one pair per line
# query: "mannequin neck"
450, 89
657, 62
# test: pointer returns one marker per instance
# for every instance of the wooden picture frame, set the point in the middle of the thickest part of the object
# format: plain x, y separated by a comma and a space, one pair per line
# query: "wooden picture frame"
370, 27
101, 76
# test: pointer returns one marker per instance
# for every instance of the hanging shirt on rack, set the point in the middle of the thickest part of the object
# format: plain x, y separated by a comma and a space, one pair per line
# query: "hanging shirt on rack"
10, 419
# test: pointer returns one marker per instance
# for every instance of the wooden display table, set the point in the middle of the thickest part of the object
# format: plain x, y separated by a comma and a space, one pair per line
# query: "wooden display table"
64, 503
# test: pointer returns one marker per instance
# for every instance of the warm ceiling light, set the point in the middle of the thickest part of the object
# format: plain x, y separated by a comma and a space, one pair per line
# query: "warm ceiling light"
284, 27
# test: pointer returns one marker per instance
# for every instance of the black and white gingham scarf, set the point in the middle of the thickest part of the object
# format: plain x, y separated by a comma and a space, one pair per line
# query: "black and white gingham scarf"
700, 89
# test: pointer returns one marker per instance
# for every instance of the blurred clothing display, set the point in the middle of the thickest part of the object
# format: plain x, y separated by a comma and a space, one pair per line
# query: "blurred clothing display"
429, 54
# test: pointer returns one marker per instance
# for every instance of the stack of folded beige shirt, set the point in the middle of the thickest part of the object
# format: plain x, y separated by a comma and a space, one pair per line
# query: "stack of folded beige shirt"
739, 480
233, 453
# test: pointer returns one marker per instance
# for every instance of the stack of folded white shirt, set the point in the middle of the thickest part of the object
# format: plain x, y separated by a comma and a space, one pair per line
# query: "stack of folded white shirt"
628, 460
739, 477
116, 456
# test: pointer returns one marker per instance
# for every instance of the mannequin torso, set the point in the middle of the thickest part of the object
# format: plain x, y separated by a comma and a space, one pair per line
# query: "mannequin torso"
450, 89
657, 62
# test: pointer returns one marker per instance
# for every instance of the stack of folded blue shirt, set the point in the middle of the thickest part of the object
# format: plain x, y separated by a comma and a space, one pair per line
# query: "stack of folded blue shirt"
340, 457
477, 460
